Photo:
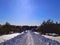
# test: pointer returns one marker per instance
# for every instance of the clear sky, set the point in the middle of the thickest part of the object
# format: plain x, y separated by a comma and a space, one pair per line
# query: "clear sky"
29, 12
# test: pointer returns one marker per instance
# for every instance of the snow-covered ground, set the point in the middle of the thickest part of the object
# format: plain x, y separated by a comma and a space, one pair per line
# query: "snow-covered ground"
7, 37
57, 38
4, 38
30, 38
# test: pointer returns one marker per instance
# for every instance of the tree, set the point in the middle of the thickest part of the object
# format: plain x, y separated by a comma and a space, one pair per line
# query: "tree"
49, 27
7, 28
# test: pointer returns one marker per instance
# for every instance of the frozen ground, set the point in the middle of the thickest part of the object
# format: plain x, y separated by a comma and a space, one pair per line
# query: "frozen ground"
30, 38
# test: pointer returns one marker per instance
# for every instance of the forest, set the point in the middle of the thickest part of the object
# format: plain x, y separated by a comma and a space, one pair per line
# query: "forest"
48, 26
7, 28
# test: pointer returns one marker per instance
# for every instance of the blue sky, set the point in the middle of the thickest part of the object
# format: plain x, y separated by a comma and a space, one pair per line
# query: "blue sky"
29, 12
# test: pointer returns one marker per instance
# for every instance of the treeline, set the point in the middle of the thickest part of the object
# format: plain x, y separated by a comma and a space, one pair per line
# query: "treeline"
8, 28
49, 27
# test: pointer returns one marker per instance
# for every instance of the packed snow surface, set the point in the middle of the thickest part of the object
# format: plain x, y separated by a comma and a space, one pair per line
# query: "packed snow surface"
30, 38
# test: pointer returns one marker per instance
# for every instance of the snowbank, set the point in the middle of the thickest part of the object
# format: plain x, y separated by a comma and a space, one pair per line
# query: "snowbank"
57, 38
7, 37
4, 38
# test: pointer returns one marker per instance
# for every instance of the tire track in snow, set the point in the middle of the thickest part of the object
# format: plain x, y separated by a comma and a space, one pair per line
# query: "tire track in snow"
29, 40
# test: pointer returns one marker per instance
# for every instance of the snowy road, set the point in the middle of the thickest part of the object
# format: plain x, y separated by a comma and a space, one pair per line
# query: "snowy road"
30, 38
